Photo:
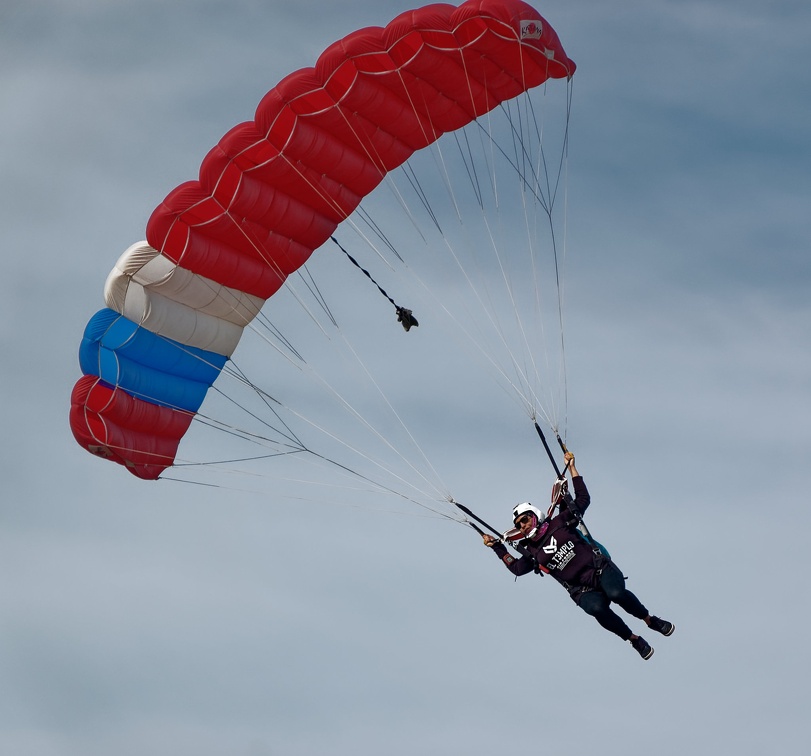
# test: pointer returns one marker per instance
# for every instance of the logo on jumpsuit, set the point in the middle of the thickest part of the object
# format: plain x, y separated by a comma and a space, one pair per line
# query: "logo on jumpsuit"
551, 547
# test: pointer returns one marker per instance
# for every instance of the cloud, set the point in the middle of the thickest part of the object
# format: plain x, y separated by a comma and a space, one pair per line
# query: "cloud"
172, 617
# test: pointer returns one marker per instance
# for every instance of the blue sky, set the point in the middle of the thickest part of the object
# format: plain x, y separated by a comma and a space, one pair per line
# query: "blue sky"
169, 618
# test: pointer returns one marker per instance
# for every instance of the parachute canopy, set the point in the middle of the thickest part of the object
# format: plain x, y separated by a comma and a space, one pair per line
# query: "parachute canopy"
273, 190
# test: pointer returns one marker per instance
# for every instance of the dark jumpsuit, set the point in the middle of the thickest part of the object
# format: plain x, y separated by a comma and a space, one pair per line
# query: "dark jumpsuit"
592, 579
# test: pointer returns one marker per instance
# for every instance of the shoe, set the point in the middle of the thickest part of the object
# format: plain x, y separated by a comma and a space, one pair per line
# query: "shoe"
661, 626
643, 648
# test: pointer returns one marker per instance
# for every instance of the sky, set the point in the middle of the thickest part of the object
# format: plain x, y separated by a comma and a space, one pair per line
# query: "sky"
168, 618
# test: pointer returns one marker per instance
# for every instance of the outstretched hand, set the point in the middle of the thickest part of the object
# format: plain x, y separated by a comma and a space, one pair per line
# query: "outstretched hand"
489, 540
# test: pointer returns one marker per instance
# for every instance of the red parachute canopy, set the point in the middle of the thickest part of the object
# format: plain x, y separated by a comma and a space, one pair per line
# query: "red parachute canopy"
275, 188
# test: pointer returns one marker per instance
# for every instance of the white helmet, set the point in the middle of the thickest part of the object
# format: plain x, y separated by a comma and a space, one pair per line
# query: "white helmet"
527, 508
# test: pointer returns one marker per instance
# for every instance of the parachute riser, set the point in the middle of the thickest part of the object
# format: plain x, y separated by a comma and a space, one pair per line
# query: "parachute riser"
549, 454
478, 519
500, 536
561, 475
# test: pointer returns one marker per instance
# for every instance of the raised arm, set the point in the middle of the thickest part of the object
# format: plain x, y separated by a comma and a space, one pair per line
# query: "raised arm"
582, 498
569, 459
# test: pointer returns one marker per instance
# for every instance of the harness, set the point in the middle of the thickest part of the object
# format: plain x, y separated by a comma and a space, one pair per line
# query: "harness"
601, 556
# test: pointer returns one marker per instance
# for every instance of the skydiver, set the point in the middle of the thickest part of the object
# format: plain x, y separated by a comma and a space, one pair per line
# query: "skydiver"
555, 545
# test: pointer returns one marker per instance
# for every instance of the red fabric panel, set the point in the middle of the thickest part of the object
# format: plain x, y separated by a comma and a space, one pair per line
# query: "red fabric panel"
274, 189
112, 424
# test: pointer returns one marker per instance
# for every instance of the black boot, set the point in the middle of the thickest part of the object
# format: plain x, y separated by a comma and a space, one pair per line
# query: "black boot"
661, 626
643, 647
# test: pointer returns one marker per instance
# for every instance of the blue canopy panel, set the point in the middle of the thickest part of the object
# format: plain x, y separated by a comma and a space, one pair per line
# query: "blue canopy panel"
147, 366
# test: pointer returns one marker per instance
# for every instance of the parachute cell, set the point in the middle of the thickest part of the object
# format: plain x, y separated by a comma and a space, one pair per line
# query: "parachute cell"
145, 365
273, 190
149, 289
114, 425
